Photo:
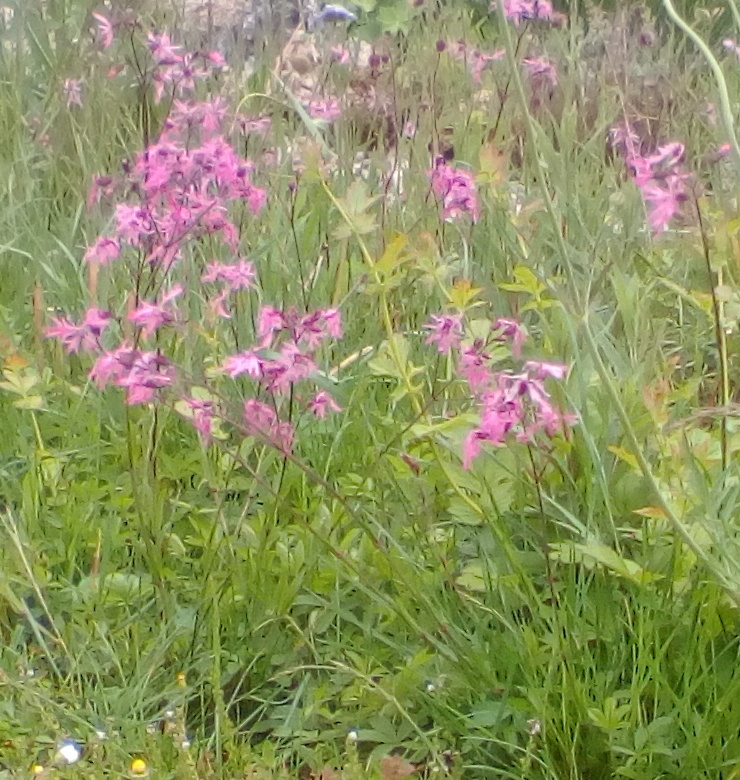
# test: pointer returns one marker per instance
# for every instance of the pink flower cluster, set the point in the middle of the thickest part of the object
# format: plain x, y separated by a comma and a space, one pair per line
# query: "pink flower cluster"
510, 403
141, 374
474, 59
179, 71
178, 190
284, 356
183, 187
455, 190
658, 176
519, 11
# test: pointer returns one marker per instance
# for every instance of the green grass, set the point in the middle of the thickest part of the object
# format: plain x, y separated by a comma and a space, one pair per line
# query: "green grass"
560, 611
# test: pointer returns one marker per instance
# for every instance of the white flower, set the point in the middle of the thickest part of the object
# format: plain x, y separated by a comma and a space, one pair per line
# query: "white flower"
69, 751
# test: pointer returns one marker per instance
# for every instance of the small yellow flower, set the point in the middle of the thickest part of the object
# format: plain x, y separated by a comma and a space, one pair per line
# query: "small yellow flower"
181, 679
37, 769
139, 767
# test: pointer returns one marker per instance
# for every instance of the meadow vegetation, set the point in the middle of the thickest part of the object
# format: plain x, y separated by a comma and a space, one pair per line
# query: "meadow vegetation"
368, 403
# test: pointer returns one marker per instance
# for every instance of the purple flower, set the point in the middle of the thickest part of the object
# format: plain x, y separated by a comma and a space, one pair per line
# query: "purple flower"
445, 331
455, 188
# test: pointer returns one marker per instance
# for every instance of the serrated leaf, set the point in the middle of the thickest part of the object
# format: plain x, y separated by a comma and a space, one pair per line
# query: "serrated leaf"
393, 256
356, 205
461, 512
32, 402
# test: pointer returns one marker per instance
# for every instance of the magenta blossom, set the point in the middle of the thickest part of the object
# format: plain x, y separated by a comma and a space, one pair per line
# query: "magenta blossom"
455, 188
519, 11
143, 374
247, 362
105, 30
202, 413
511, 405
445, 331
85, 336
661, 183
516, 404
513, 330
150, 317
236, 276
322, 403
261, 420
103, 250
150, 372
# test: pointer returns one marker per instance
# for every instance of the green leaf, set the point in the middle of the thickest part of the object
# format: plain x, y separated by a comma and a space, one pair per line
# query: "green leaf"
355, 207
34, 402
395, 18
595, 553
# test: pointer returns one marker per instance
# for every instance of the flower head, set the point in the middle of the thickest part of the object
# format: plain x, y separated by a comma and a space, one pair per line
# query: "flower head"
455, 188
85, 336
445, 331
322, 403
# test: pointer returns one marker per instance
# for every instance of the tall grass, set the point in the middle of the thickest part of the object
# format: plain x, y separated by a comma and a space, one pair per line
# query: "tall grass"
564, 608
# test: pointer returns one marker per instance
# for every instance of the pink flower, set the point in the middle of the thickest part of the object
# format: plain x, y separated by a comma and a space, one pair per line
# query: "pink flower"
661, 183
445, 331
162, 49
340, 55
217, 307
456, 189
324, 110
513, 330
105, 30
542, 369
142, 374
85, 336
258, 416
112, 366
312, 329
322, 403
290, 366
625, 139
473, 365
271, 320
261, 420
150, 372
529, 10
215, 58
243, 363
333, 322
202, 414
73, 92
663, 203
238, 276
103, 250
541, 72
152, 316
